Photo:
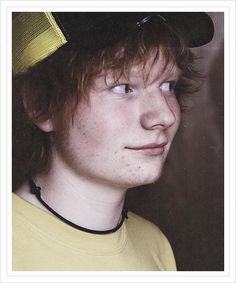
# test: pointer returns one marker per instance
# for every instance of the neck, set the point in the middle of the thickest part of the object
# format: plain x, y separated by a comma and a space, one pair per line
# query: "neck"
92, 205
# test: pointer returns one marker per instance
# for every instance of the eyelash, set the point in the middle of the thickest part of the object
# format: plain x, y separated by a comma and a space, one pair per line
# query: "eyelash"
128, 89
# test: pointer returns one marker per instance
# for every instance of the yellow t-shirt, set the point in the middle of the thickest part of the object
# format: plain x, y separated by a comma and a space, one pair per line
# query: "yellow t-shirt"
41, 242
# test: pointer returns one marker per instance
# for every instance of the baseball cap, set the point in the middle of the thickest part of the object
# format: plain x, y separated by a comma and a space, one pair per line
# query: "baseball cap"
37, 35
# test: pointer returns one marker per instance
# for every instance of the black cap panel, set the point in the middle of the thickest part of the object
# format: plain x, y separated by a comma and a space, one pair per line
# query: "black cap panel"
110, 27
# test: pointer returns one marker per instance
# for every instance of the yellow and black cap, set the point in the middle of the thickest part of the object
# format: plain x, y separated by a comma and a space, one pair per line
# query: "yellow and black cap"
36, 35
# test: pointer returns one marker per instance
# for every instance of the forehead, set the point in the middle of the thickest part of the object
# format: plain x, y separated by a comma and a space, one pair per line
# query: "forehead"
156, 66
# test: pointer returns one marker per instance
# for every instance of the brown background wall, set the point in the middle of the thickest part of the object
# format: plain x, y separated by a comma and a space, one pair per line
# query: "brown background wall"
187, 203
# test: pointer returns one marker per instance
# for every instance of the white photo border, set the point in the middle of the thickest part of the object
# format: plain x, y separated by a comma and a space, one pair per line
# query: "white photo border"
7, 7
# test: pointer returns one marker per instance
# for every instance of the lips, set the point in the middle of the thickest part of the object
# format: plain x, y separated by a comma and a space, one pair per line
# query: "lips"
151, 149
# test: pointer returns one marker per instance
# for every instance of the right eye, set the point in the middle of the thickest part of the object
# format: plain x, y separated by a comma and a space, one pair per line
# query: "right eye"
168, 86
121, 89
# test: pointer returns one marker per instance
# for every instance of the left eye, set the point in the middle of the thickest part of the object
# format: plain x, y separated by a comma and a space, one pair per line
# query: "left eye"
167, 86
121, 89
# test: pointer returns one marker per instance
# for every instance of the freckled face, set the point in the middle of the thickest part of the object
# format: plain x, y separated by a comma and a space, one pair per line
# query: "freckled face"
123, 135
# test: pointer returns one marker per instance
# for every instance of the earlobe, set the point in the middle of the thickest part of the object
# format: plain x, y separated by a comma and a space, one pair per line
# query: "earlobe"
46, 125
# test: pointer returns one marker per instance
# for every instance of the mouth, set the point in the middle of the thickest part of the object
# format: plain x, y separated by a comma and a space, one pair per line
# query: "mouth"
152, 149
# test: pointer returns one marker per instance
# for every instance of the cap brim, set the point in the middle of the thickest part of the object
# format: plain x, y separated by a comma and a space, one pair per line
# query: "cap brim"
196, 27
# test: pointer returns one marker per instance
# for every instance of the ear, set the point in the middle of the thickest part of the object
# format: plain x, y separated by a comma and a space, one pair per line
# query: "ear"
46, 125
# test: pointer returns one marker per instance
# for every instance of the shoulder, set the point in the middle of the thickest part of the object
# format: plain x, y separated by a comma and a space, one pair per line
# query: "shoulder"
149, 236
143, 226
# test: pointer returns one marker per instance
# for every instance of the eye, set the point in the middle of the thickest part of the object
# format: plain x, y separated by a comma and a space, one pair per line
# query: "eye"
168, 86
121, 89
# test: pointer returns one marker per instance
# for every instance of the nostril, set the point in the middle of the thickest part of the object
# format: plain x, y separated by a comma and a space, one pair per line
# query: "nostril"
157, 125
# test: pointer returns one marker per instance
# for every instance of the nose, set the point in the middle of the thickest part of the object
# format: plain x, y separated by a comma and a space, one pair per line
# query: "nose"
157, 112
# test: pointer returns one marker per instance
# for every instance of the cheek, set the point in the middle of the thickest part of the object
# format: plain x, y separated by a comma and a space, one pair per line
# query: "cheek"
97, 128
175, 107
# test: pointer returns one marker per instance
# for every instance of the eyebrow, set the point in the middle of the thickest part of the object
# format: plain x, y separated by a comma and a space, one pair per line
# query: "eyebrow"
108, 78
175, 73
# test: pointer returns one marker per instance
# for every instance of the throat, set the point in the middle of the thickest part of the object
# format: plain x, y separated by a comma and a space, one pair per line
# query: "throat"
82, 213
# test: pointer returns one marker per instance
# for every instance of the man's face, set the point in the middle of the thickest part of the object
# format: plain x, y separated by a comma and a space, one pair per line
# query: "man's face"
121, 137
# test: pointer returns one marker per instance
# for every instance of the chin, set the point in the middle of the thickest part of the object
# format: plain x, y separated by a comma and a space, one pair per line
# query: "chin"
144, 179
151, 179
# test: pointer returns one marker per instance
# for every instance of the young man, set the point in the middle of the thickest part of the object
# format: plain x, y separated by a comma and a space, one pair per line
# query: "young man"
96, 101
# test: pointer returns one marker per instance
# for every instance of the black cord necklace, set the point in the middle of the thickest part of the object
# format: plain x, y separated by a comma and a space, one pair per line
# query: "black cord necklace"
34, 189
